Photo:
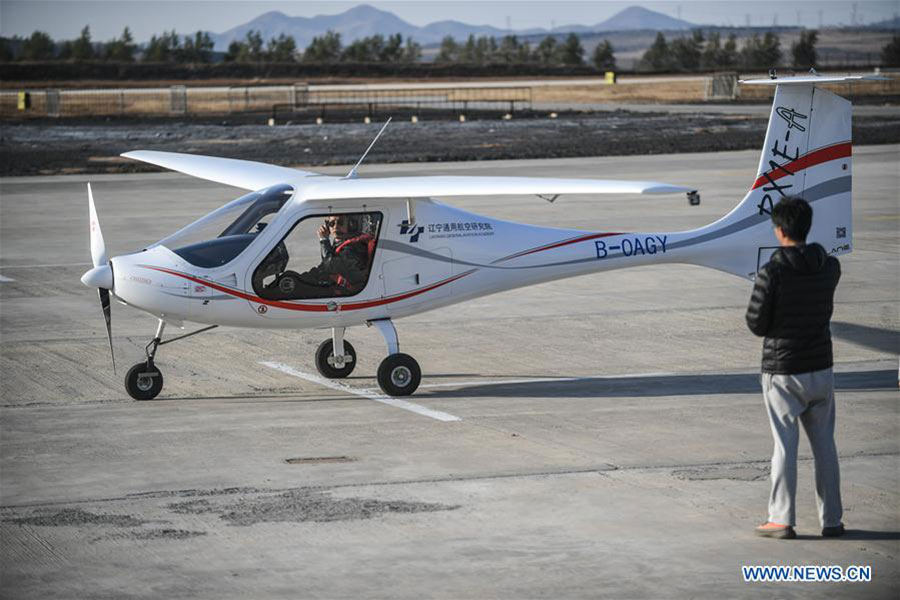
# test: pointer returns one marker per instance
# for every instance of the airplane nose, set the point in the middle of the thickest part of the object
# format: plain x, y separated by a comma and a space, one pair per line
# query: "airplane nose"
99, 277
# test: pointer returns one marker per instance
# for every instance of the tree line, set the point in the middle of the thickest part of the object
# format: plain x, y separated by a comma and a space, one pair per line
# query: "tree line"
510, 50
325, 49
328, 48
694, 52
167, 47
703, 53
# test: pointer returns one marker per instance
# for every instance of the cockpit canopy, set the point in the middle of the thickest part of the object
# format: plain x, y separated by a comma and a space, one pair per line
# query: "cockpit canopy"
218, 237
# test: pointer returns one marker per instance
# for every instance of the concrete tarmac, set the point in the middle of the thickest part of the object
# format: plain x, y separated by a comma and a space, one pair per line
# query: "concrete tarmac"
611, 439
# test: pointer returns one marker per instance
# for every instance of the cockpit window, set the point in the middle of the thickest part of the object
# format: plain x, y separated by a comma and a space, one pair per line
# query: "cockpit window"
323, 256
221, 235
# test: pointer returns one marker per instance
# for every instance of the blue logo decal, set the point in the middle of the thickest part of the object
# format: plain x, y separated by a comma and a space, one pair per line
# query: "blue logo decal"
413, 231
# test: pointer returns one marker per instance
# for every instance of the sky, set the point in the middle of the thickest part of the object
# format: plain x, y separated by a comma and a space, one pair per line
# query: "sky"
63, 19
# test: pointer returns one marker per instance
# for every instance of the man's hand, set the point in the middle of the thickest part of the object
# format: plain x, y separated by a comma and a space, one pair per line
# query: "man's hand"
323, 232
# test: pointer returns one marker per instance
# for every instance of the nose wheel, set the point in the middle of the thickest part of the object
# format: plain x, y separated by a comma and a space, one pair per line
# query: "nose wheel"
143, 381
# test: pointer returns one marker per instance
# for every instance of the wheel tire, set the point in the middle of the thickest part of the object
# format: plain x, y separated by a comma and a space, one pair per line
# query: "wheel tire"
399, 375
326, 369
141, 386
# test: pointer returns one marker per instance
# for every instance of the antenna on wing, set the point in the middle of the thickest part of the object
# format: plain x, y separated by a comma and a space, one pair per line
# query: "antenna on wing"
352, 173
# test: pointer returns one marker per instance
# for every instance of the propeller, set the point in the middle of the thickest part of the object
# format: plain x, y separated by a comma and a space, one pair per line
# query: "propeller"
101, 276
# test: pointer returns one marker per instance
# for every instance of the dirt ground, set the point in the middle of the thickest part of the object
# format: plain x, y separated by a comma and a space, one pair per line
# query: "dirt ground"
43, 147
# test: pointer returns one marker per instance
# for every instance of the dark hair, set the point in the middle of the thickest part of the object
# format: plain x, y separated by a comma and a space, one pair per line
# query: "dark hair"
794, 216
351, 221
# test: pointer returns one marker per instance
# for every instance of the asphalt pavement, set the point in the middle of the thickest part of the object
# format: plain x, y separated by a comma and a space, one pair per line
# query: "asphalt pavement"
610, 438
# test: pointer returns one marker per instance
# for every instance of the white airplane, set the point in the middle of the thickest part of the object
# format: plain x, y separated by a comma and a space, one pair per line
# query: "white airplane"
258, 262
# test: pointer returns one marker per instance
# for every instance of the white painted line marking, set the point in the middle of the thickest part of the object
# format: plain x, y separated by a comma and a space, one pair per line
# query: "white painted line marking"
80, 264
365, 393
5, 279
545, 380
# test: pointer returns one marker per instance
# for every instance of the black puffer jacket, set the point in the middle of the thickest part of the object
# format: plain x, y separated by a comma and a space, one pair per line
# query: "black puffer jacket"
791, 305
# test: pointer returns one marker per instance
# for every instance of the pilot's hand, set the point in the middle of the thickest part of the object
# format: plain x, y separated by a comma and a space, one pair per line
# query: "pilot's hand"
323, 232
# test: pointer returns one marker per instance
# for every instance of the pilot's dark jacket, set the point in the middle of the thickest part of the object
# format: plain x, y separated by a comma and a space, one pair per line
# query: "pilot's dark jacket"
791, 305
343, 271
347, 263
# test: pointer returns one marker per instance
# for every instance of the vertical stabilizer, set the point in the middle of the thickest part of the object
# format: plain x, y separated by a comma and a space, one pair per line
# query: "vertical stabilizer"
807, 153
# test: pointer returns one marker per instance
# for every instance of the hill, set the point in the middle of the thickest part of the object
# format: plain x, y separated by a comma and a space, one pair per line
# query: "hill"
364, 20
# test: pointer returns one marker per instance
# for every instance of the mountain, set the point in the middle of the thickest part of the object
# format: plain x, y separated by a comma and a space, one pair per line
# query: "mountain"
886, 24
364, 20
458, 31
635, 17
358, 22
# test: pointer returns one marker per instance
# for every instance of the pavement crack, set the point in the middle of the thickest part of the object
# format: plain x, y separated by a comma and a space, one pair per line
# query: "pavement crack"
602, 468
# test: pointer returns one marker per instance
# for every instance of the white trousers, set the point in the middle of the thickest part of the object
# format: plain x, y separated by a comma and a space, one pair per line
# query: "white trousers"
809, 399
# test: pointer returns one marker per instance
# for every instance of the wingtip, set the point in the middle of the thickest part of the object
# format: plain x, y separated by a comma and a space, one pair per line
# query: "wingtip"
142, 155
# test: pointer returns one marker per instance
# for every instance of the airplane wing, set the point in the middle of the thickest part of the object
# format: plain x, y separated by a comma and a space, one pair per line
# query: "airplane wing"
439, 186
245, 174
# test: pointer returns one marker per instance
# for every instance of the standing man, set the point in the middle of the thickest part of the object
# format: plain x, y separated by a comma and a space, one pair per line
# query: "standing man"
791, 305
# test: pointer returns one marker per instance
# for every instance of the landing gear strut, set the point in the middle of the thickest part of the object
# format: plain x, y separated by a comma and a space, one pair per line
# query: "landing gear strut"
398, 374
144, 380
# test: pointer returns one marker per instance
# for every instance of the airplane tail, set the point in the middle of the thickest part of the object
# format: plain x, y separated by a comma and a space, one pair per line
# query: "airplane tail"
807, 153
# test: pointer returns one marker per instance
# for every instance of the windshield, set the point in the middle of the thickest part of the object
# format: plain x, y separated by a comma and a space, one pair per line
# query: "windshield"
221, 235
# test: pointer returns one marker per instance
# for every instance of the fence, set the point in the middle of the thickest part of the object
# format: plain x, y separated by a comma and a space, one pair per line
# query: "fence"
337, 102
298, 98
721, 86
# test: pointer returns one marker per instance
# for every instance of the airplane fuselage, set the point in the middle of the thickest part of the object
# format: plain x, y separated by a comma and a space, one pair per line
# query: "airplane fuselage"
446, 256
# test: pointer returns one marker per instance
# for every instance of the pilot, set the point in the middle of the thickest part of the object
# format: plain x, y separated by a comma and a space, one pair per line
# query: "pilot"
344, 268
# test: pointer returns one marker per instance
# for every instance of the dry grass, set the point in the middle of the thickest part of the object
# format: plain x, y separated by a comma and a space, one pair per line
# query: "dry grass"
670, 91
662, 90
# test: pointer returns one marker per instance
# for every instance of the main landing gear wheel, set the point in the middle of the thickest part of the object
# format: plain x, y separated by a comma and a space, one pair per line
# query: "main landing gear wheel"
399, 375
330, 368
143, 381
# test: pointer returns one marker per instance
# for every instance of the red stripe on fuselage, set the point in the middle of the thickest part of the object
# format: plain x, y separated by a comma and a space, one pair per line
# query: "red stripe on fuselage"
368, 303
816, 157
583, 238
307, 307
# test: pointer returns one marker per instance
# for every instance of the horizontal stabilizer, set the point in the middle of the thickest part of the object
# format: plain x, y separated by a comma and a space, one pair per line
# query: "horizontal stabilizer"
245, 174
450, 186
814, 79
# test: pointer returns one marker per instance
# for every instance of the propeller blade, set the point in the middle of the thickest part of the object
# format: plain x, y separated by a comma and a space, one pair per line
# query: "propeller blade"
107, 315
98, 248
